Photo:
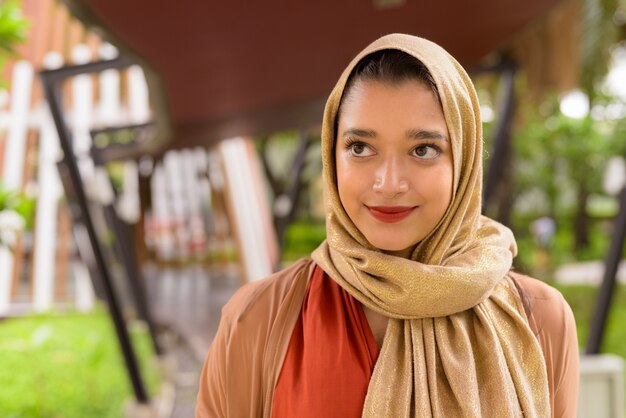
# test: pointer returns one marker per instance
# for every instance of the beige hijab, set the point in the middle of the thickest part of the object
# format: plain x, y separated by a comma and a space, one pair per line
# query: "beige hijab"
458, 342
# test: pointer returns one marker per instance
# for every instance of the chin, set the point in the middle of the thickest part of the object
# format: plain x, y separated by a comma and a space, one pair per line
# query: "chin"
391, 246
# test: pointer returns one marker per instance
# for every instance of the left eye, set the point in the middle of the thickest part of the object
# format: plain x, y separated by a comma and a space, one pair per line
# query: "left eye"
426, 152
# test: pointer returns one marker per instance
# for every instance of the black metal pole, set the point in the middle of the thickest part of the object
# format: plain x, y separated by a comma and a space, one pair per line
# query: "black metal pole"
292, 194
607, 289
80, 234
126, 254
502, 134
51, 89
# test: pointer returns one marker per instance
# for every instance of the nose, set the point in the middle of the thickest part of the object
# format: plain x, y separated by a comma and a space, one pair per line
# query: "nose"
391, 178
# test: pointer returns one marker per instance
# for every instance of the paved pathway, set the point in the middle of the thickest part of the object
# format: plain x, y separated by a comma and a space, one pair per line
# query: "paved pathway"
590, 272
188, 302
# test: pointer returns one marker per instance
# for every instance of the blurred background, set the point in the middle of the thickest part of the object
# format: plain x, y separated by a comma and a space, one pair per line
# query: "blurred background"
154, 157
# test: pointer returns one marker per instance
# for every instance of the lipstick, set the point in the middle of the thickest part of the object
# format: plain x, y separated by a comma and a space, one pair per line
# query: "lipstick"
390, 214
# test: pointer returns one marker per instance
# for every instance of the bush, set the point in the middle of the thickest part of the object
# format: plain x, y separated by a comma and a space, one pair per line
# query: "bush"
301, 239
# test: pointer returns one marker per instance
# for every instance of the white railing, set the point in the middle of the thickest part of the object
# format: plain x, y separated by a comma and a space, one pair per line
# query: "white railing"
85, 113
184, 184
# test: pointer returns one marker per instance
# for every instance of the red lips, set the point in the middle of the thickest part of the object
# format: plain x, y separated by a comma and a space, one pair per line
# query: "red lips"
391, 214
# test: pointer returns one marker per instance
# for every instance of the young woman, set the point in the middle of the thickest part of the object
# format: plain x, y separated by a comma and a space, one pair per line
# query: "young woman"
409, 308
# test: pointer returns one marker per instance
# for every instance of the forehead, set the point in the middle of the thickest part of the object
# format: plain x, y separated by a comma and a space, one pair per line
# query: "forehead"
376, 103
360, 84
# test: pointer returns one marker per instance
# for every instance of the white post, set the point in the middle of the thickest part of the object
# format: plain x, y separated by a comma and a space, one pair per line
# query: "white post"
601, 386
178, 206
82, 116
194, 225
139, 105
14, 162
249, 207
49, 191
128, 201
109, 80
161, 214
197, 222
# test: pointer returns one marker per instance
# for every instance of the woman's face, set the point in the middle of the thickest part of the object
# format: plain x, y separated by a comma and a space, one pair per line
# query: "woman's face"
394, 161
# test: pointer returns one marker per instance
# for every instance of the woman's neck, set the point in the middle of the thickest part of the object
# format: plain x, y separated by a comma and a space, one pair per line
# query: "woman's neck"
378, 324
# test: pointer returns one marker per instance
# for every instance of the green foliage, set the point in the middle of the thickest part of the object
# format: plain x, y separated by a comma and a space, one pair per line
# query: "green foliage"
13, 28
301, 239
19, 203
16, 214
559, 161
599, 33
115, 170
556, 153
65, 366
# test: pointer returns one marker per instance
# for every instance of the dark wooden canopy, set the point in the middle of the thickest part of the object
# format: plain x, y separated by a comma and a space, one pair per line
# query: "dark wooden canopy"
244, 68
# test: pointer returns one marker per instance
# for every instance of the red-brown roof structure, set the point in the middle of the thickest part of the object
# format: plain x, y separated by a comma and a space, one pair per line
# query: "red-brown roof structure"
247, 68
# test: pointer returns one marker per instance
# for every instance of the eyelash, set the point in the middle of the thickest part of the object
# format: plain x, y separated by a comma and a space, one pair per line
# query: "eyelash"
435, 147
351, 142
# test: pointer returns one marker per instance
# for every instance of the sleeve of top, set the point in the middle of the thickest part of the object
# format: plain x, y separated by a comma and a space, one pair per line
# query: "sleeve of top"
212, 394
565, 363
553, 323
234, 377
231, 376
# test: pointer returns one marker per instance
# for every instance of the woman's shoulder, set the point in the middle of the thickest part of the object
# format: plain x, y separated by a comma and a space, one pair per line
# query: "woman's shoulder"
265, 296
552, 321
546, 305
235, 373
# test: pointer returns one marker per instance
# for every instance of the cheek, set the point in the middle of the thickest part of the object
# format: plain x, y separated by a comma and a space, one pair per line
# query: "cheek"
345, 183
342, 174
352, 183
438, 183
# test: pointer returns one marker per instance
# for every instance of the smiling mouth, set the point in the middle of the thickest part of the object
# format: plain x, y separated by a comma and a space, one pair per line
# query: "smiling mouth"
390, 214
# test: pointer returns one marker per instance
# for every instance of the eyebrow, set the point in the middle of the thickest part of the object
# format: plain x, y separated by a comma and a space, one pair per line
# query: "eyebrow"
411, 133
425, 134
365, 133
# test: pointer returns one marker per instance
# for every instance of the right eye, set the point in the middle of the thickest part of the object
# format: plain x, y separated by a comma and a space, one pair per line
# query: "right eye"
359, 149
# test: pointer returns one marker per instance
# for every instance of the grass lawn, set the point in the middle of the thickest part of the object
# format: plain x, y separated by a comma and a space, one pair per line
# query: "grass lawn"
67, 365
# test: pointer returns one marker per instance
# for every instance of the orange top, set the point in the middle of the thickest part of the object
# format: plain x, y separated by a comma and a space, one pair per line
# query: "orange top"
329, 381
240, 374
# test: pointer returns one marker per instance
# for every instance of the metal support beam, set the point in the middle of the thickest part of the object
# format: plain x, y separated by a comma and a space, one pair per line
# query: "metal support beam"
501, 147
56, 76
52, 80
116, 150
292, 194
80, 234
126, 253
607, 289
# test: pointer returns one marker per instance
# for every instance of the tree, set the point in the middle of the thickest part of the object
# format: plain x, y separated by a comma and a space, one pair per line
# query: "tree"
13, 29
